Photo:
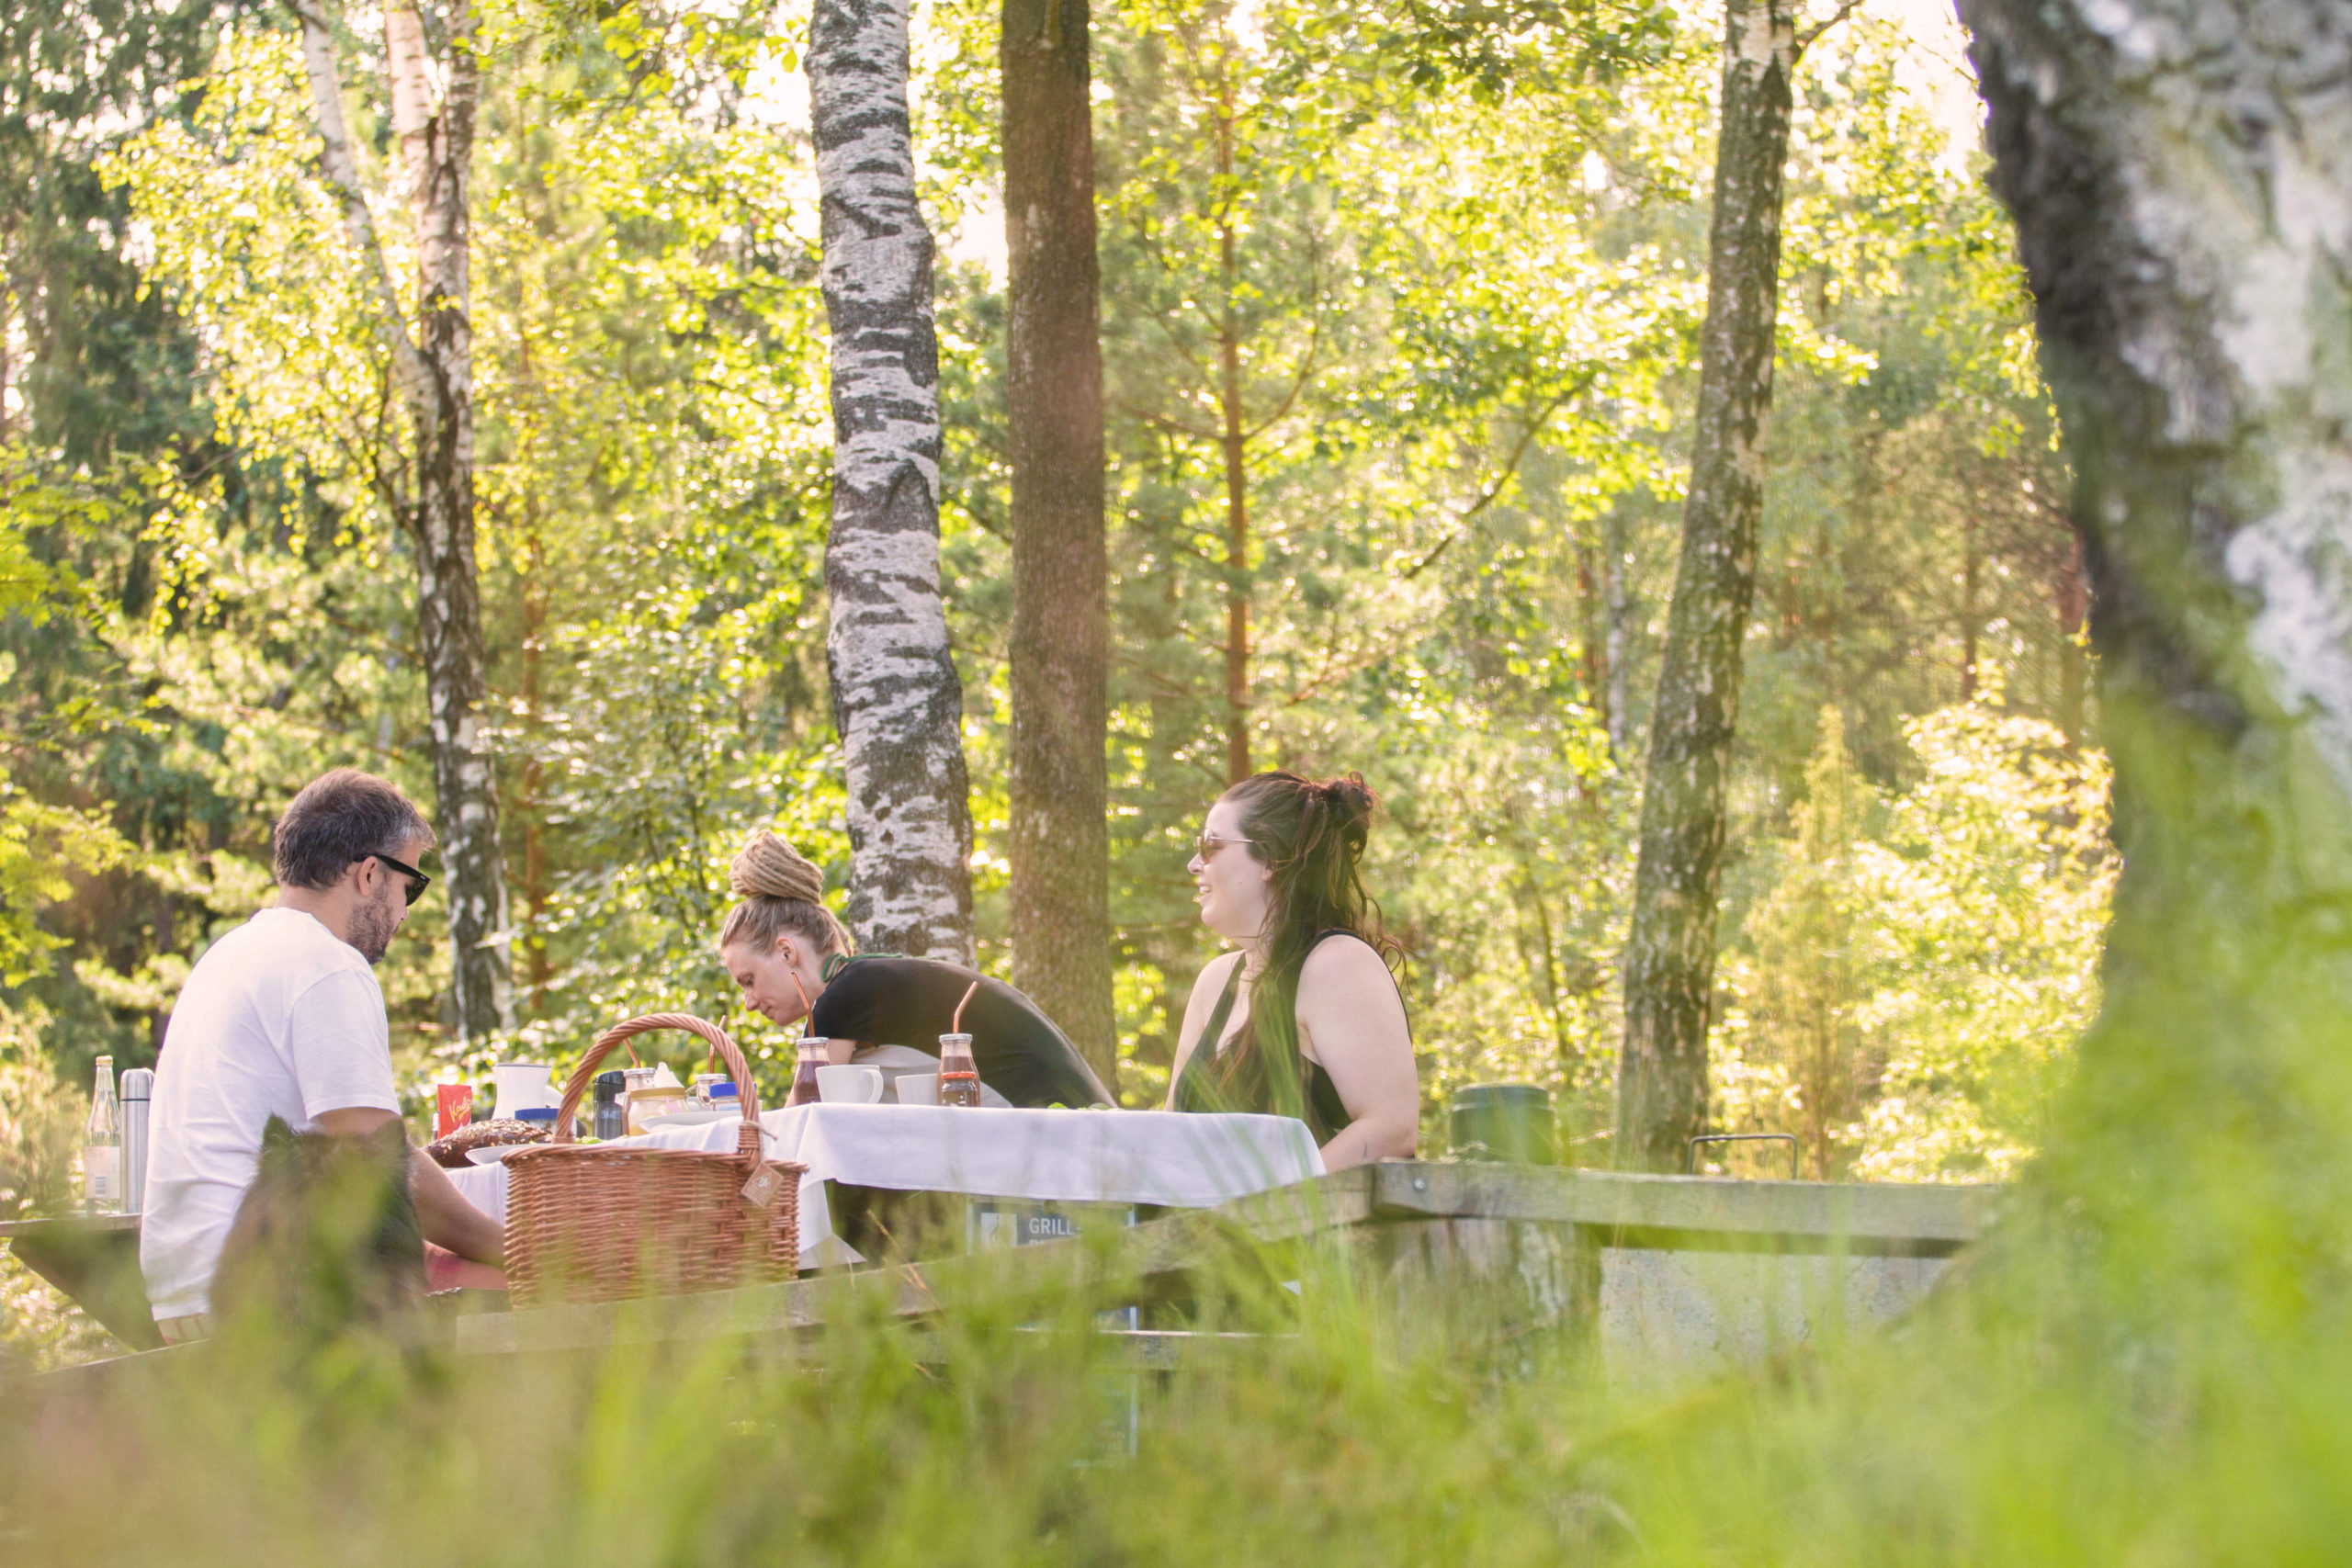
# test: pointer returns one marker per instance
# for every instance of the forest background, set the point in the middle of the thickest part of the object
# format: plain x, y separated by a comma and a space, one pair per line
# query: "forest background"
1467, 272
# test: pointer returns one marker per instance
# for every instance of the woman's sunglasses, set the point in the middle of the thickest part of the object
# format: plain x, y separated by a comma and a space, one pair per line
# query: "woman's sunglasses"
417, 881
1207, 845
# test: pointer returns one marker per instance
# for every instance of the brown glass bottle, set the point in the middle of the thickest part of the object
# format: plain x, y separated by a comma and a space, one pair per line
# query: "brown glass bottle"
804, 1071
959, 1080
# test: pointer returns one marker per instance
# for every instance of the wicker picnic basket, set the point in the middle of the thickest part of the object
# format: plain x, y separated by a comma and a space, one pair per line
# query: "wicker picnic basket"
604, 1223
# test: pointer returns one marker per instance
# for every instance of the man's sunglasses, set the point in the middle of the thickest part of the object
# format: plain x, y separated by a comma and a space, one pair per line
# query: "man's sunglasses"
417, 881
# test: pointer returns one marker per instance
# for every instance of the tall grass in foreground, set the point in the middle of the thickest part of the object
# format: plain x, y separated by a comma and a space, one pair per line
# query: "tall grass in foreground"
978, 1439
2150, 1362
2021, 1418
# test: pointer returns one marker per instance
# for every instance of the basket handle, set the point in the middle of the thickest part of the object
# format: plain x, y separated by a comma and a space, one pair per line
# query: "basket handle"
576, 1088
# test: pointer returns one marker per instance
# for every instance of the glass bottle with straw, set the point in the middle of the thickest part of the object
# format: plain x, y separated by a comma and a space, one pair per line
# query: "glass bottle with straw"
815, 1051
959, 1080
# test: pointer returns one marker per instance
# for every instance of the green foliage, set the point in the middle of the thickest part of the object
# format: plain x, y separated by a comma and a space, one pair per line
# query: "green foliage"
1914, 983
1804, 1039
42, 846
650, 437
1988, 901
1467, 264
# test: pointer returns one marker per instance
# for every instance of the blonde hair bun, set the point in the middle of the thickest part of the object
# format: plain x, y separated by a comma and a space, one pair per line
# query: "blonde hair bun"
767, 867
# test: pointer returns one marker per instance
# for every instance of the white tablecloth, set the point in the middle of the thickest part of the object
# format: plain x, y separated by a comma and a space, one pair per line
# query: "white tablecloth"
1181, 1161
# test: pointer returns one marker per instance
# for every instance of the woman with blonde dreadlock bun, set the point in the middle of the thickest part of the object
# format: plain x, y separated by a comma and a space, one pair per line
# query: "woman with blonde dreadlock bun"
793, 961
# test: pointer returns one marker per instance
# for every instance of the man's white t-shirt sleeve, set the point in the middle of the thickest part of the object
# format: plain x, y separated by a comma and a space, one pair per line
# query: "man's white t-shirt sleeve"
342, 1052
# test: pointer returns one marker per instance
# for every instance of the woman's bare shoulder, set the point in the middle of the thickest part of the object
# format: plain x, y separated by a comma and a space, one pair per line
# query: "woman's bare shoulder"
1346, 959
1214, 973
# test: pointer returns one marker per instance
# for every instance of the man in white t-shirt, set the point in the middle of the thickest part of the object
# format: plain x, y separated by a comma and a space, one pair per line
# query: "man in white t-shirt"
283, 1017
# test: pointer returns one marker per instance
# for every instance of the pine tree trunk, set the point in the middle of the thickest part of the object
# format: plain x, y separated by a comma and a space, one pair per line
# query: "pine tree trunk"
1234, 452
1670, 953
2181, 175
1618, 698
898, 701
1061, 618
433, 128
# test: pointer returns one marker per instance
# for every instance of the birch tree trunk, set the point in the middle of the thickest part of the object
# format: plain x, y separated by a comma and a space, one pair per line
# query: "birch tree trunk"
1061, 618
1670, 965
432, 129
2181, 174
898, 701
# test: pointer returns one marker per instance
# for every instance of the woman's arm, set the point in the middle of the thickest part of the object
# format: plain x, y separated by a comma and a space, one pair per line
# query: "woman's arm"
1353, 1021
1197, 1008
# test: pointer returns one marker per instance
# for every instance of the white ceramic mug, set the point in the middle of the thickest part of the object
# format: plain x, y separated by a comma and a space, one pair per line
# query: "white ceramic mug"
522, 1086
917, 1089
849, 1084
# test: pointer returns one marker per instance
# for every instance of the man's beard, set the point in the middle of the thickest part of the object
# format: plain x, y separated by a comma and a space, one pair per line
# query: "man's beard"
372, 926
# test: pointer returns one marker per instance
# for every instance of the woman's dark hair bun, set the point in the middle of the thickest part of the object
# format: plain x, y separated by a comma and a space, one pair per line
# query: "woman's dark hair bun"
1352, 801
1288, 814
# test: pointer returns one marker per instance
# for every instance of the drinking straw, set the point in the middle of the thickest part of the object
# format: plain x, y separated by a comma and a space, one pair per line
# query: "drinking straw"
956, 1024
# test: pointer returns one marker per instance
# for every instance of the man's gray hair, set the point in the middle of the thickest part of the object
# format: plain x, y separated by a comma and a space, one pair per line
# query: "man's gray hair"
340, 817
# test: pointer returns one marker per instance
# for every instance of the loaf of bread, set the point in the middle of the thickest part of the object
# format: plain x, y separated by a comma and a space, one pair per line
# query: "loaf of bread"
450, 1152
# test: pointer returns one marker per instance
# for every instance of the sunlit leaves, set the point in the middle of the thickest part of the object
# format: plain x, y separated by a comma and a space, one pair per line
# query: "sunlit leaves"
1919, 977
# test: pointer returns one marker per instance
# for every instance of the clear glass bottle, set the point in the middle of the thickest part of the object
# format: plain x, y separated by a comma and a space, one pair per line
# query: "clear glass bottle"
959, 1079
814, 1051
102, 1146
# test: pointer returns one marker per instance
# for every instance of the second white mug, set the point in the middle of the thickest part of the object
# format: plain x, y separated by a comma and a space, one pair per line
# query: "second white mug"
917, 1089
849, 1084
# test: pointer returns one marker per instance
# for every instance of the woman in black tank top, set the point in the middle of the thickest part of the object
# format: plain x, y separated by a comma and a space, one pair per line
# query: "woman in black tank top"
1321, 1034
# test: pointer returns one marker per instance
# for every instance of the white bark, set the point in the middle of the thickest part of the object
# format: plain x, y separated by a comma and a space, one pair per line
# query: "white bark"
897, 700
433, 117
2201, 303
342, 173
2181, 174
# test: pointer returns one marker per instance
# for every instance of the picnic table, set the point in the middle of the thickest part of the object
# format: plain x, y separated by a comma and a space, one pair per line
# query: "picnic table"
1150, 1158
94, 1260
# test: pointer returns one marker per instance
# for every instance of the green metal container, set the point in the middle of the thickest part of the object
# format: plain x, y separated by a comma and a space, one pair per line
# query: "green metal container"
1507, 1122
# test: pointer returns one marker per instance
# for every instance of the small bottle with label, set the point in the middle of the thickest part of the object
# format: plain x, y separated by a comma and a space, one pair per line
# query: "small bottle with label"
102, 1147
959, 1079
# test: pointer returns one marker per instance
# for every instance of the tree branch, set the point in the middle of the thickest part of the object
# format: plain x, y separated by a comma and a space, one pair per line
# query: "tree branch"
1173, 426
1805, 39
1314, 344
1494, 490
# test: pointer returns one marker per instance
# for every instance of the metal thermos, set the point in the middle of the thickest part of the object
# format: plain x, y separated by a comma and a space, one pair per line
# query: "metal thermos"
138, 1089
612, 1117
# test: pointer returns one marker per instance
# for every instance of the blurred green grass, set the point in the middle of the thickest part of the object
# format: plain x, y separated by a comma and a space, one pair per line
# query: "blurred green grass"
2148, 1363
2017, 1418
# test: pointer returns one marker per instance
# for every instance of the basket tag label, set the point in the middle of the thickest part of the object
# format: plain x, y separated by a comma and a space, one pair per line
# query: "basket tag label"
761, 1189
